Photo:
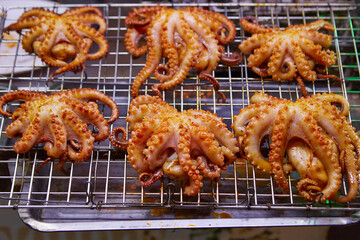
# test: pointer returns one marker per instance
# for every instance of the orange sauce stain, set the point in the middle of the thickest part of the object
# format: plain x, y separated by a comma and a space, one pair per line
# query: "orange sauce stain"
184, 214
149, 200
9, 37
221, 215
159, 211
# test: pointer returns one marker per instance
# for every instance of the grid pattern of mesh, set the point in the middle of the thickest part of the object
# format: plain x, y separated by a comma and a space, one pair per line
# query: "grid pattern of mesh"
107, 179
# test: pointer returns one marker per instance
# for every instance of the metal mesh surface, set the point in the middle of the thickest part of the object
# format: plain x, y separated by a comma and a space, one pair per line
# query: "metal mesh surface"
107, 181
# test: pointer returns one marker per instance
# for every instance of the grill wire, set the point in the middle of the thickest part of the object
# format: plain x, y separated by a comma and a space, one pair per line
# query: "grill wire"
107, 181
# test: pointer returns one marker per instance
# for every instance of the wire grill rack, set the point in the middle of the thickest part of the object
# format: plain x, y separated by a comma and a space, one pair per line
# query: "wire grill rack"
104, 193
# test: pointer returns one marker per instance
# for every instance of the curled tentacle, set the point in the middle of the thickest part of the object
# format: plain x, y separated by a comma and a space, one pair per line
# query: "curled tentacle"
121, 143
232, 60
147, 179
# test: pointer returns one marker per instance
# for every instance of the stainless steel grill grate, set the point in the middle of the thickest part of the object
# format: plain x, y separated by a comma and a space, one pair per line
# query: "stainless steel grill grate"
49, 200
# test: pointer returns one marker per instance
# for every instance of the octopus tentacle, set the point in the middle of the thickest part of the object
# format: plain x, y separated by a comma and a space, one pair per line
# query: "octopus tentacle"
218, 23
145, 105
142, 16
253, 42
314, 26
318, 38
303, 66
24, 23
146, 179
206, 144
325, 153
89, 19
17, 126
154, 53
260, 97
44, 48
88, 94
137, 144
18, 95
278, 148
261, 54
132, 38
209, 170
242, 119
232, 60
334, 99
229, 26
163, 72
57, 146
276, 60
98, 38
35, 12
190, 167
208, 37
82, 10
308, 188
308, 165
80, 58
252, 26
29, 137
215, 126
192, 48
286, 71
160, 140
321, 56
252, 140
80, 130
121, 143
91, 114
168, 44
31, 35
215, 83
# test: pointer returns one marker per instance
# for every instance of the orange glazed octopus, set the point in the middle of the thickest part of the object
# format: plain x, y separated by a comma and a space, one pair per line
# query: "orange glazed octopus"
60, 120
290, 53
57, 39
186, 146
186, 38
318, 140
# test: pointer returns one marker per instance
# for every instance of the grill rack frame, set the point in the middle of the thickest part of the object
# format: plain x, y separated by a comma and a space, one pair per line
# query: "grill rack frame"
234, 81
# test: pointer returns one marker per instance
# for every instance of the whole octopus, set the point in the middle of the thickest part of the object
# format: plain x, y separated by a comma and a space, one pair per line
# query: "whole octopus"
319, 142
186, 146
60, 120
186, 38
59, 38
295, 52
